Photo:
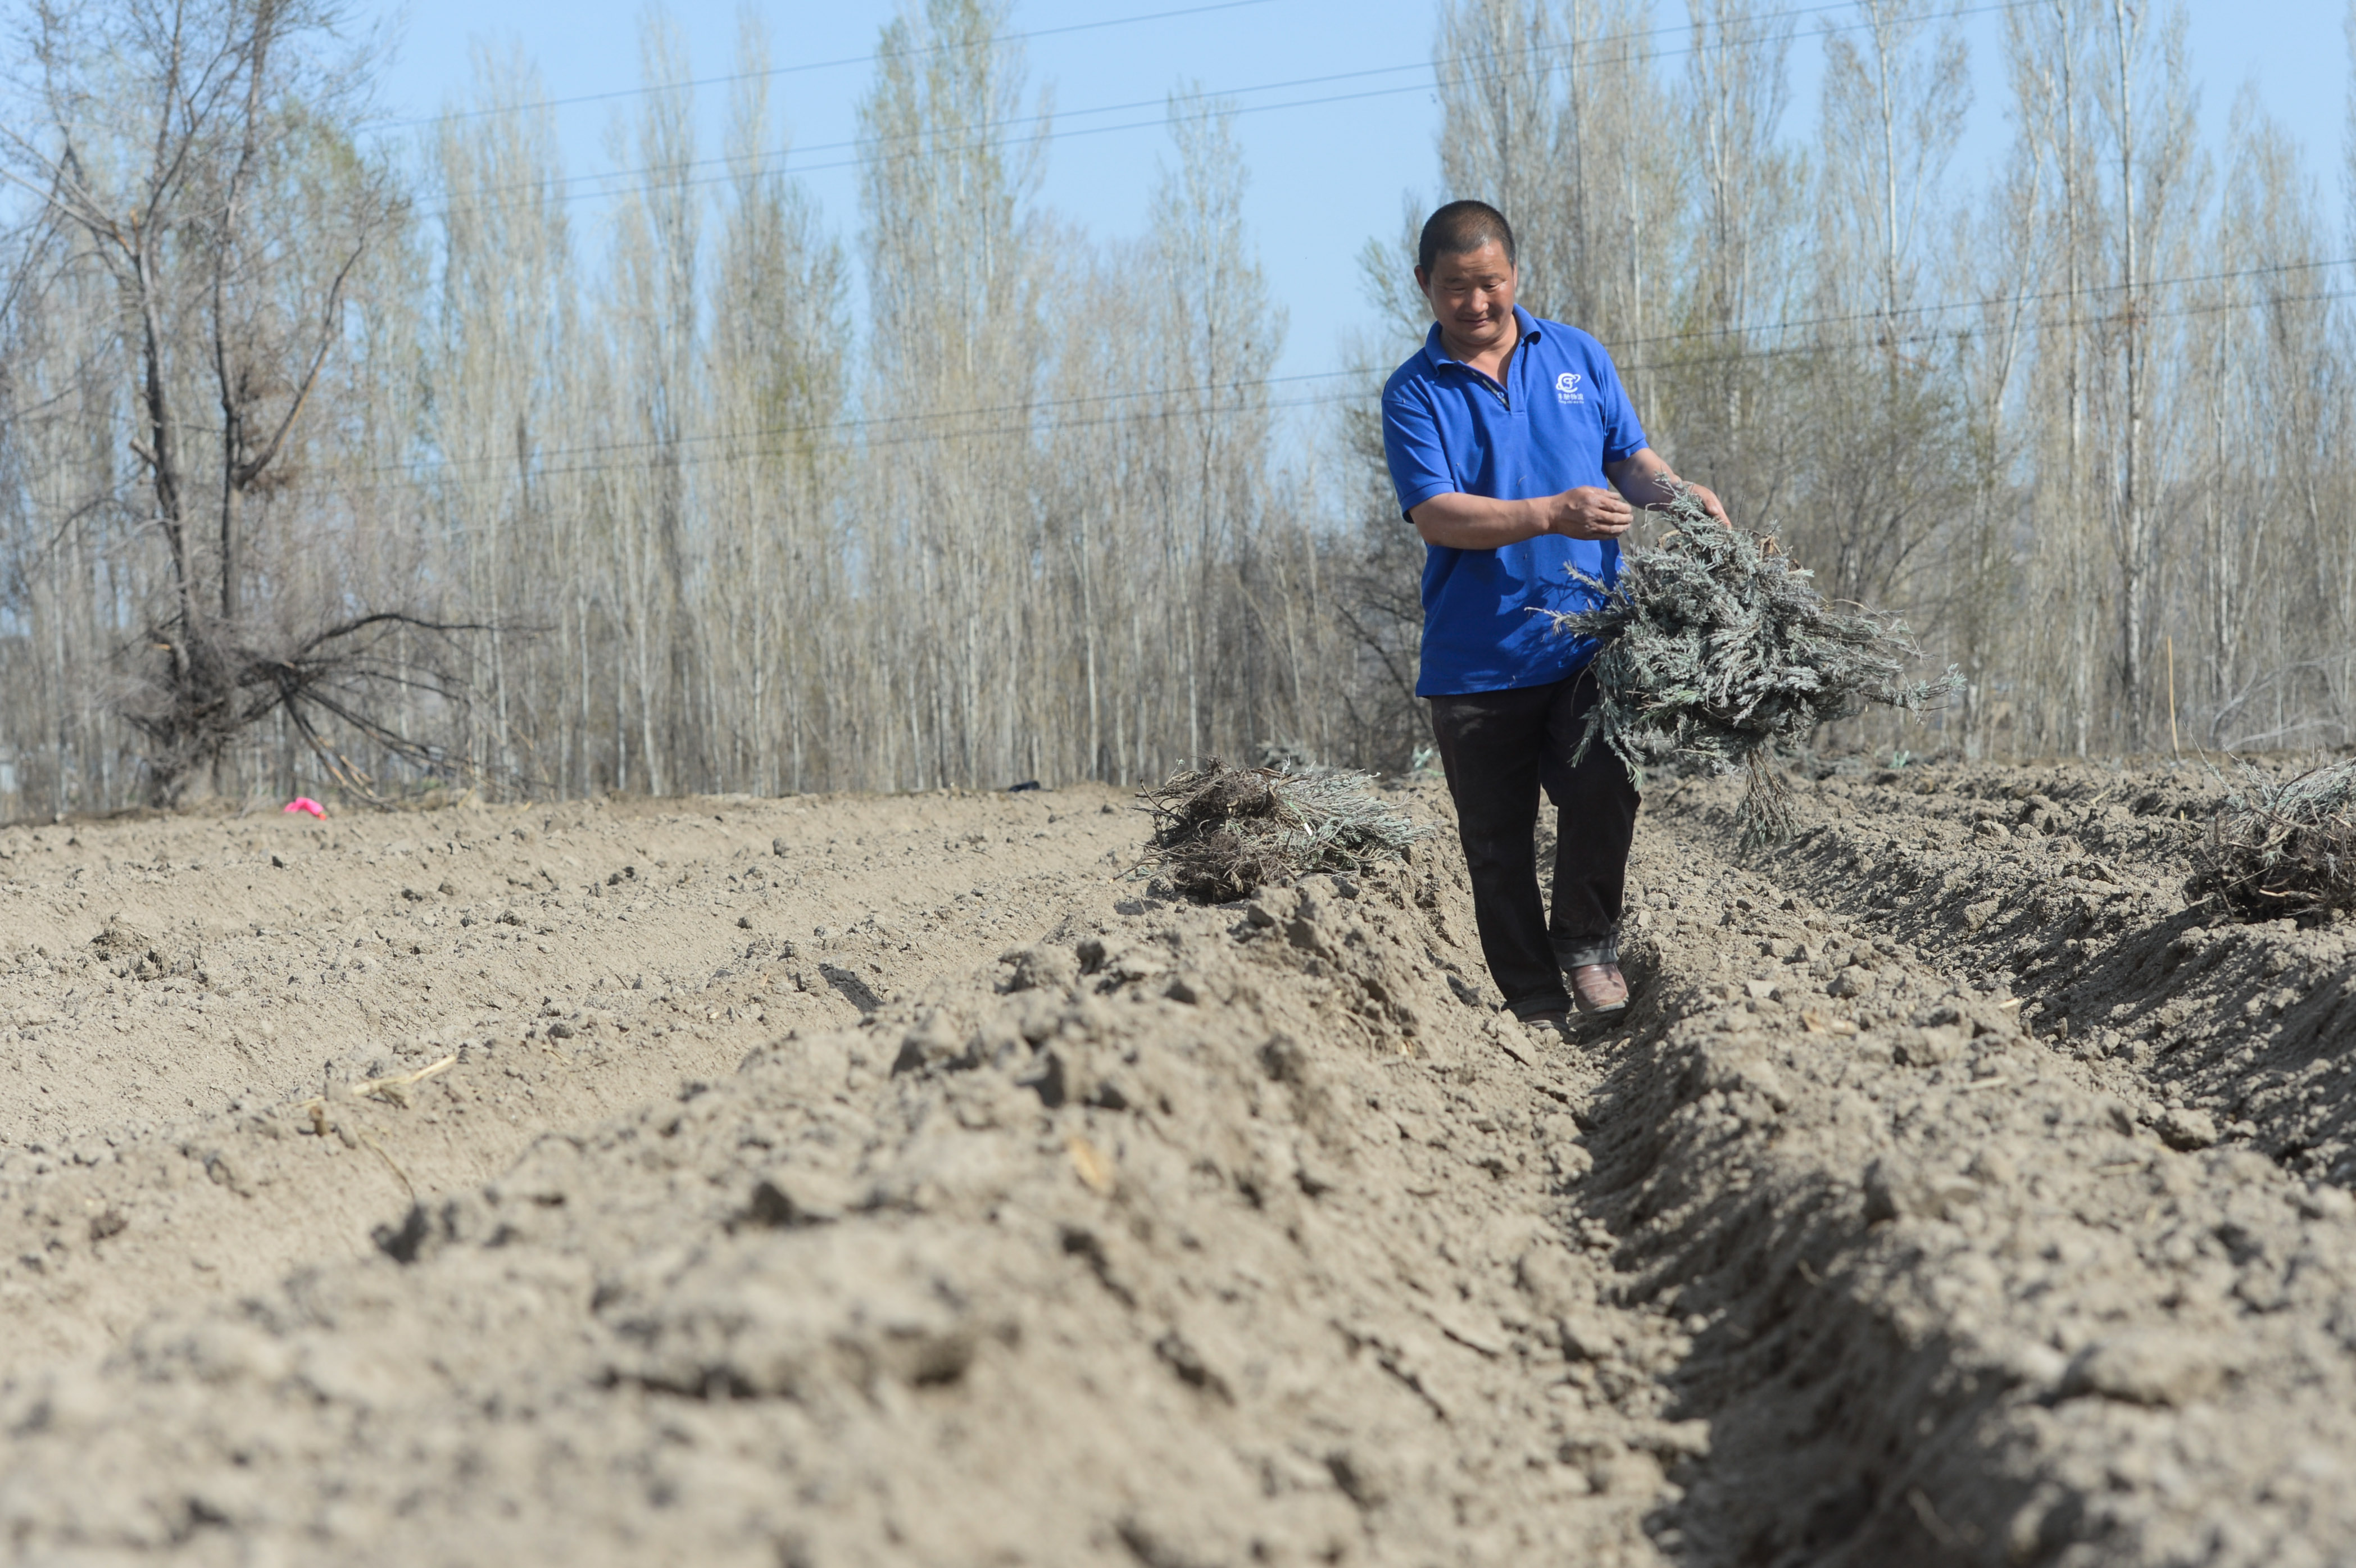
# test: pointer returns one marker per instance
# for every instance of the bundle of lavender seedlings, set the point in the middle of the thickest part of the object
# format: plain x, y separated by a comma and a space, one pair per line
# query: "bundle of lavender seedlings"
2287, 847
1716, 648
1221, 832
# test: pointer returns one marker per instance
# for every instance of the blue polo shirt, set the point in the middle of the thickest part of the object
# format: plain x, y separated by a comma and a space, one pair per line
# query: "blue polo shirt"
1559, 419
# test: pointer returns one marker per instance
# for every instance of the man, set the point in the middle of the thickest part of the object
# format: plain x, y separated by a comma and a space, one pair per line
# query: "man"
1517, 456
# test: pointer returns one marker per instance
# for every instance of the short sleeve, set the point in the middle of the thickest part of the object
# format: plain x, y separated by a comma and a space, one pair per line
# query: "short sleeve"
1411, 443
1621, 435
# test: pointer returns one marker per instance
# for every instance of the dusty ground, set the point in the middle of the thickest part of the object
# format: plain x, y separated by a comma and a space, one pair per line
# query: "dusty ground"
869, 1180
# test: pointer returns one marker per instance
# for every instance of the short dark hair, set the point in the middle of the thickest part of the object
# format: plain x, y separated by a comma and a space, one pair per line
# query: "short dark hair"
1459, 228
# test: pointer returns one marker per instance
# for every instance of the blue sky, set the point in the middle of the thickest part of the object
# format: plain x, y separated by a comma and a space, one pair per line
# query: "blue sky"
1331, 159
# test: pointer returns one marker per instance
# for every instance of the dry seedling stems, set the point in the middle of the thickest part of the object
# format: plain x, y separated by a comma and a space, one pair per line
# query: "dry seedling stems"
1092, 1166
1716, 648
382, 1153
2174, 749
389, 1087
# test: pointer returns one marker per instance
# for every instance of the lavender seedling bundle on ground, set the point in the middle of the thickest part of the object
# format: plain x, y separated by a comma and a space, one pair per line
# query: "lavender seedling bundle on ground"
1716, 648
2283, 848
1222, 832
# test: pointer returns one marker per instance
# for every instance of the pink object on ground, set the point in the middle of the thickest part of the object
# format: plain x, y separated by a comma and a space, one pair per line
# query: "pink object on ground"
304, 803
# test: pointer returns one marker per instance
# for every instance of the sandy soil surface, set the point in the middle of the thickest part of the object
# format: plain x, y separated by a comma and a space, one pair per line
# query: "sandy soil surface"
864, 1180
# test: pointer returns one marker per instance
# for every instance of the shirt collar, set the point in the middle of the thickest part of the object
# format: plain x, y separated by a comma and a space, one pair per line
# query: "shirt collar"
1524, 325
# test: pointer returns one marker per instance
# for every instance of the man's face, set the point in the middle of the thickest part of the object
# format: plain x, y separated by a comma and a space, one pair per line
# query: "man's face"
1472, 295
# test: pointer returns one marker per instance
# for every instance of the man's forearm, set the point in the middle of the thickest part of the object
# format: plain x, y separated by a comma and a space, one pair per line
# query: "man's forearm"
1644, 476
1458, 521
1638, 477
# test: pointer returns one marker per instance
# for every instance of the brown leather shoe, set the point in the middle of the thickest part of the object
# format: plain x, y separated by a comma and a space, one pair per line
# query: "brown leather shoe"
1599, 989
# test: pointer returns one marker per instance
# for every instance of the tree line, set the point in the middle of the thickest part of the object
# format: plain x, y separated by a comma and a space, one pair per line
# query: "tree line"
2085, 424
331, 458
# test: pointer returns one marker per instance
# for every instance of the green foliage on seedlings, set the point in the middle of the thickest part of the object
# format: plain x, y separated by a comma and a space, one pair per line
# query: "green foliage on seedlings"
2283, 848
1716, 648
1222, 832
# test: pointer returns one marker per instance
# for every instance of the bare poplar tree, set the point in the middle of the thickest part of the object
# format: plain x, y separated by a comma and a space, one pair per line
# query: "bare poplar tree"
1056, 523
502, 339
1214, 337
951, 267
2272, 571
1495, 63
1885, 387
1737, 283
195, 162
2147, 107
654, 319
2046, 55
780, 335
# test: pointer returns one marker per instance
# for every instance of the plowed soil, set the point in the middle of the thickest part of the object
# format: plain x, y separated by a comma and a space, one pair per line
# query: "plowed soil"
889, 1180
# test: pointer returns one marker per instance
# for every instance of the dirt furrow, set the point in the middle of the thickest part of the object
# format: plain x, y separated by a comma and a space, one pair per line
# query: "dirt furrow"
1966, 1301
2065, 889
1253, 1233
175, 990
1199, 1235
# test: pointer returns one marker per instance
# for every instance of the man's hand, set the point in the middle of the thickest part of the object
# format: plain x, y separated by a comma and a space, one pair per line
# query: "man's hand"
1645, 477
1590, 512
1460, 521
1708, 499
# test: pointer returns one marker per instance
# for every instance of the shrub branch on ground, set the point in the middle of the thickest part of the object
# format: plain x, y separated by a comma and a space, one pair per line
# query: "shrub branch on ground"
2278, 849
1222, 832
1716, 648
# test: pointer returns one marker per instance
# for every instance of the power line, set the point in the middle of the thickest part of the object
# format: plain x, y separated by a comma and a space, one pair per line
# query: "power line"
1035, 430
1017, 37
782, 165
1801, 350
931, 416
1985, 302
415, 481
1421, 65
1212, 389
808, 66
1045, 118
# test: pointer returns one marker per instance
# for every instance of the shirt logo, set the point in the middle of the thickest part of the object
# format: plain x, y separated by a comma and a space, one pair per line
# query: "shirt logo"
1566, 387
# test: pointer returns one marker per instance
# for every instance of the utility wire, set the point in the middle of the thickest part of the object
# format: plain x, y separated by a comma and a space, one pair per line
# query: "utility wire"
1212, 389
1434, 65
908, 439
867, 59
782, 165
1983, 302
409, 479
1018, 37
1764, 36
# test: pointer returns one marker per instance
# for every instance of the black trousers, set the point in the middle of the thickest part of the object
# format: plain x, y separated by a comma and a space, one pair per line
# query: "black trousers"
1500, 748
